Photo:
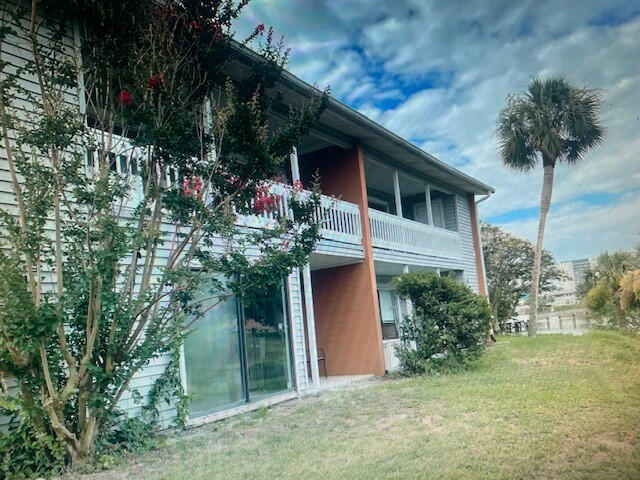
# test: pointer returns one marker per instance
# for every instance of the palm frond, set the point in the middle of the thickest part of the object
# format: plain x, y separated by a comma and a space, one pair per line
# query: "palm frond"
554, 119
516, 148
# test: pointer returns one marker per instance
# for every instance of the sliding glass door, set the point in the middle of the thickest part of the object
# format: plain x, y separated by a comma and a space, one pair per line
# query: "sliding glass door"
213, 360
238, 352
267, 345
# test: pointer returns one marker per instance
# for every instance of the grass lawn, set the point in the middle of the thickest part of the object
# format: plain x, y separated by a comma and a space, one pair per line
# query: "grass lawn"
549, 407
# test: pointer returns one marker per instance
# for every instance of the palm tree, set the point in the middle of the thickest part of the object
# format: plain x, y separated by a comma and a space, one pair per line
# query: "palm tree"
554, 121
605, 296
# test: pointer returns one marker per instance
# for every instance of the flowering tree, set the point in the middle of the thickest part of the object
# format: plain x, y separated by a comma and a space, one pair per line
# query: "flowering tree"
134, 195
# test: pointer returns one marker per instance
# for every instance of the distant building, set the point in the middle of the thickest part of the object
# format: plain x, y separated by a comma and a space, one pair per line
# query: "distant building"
579, 269
565, 292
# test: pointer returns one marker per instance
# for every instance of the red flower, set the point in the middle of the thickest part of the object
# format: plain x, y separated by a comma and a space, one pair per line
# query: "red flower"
156, 81
124, 98
260, 28
297, 185
197, 186
195, 25
264, 202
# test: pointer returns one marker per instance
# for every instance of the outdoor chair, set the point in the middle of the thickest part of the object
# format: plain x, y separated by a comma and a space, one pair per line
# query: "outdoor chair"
322, 364
322, 358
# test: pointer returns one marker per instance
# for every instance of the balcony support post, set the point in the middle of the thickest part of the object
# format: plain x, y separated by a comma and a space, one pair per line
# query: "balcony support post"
295, 168
396, 193
427, 199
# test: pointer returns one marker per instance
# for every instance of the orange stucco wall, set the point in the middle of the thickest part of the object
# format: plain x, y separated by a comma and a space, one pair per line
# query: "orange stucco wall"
345, 298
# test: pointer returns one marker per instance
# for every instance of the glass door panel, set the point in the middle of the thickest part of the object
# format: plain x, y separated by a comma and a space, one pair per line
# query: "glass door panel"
212, 355
267, 345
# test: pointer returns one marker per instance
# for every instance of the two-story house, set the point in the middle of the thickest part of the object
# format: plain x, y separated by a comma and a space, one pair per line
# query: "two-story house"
398, 209
389, 207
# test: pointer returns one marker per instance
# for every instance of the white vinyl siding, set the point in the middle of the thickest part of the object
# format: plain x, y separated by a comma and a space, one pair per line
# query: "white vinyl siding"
16, 51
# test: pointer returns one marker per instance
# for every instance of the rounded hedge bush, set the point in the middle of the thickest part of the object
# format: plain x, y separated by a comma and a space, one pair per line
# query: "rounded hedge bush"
447, 327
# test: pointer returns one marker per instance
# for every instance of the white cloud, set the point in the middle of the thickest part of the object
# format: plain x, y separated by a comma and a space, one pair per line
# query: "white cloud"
600, 228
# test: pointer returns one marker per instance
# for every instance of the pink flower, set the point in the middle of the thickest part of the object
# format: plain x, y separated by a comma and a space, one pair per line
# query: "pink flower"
264, 202
197, 186
186, 187
195, 25
297, 185
124, 98
260, 28
192, 187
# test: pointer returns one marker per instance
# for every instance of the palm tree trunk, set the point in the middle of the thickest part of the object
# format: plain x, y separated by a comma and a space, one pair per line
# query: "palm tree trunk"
545, 203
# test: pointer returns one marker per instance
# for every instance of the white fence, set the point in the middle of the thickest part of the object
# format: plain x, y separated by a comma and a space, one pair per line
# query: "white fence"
395, 233
563, 322
570, 322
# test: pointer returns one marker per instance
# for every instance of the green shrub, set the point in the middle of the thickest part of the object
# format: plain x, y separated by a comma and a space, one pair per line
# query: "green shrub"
447, 328
26, 452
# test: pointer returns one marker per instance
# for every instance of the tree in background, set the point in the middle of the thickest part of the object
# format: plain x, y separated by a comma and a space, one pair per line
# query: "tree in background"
508, 262
612, 287
131, 205
556, 122
630, 291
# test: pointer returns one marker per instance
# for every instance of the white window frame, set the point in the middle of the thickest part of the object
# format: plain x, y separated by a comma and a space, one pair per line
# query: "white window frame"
397, 312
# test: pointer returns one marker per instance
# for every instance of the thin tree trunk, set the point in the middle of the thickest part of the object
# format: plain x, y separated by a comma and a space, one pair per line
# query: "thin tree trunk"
545, 203
623, 324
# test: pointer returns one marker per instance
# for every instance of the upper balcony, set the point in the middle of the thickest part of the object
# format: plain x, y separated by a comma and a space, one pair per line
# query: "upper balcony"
408, 216
341, 222
391, 232
411, 215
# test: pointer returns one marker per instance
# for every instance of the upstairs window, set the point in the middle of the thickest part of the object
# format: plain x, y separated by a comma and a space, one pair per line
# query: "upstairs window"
437, 210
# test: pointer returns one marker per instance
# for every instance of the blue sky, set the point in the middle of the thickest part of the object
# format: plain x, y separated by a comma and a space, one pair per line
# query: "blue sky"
437, 73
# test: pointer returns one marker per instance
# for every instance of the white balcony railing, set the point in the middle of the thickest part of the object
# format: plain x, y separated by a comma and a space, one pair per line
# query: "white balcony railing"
340, 220
395, 233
